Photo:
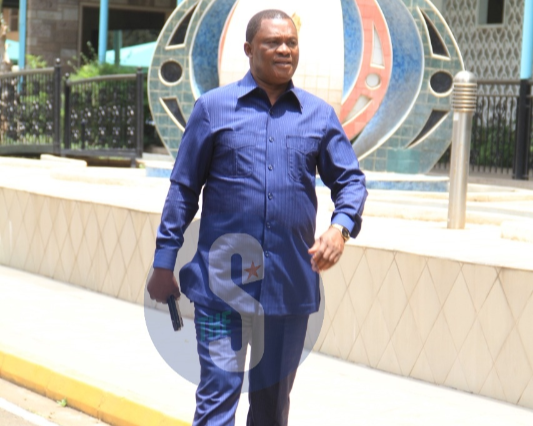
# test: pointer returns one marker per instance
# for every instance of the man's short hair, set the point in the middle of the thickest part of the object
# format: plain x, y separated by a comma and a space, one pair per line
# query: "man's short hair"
255, 23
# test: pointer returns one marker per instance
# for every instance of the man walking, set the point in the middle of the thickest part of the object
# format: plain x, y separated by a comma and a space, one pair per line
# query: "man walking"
254, 147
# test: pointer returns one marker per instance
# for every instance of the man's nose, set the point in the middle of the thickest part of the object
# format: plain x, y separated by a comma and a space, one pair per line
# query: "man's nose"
284, 49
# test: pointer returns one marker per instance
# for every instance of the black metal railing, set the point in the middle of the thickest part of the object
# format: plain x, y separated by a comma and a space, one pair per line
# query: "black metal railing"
30, 111
494, 128
104, 116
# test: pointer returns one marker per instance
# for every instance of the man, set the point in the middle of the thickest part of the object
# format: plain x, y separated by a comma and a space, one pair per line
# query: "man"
254, 147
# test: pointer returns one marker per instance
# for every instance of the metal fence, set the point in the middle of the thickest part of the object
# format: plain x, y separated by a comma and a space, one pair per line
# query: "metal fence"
104, 116
494, 128
30, 108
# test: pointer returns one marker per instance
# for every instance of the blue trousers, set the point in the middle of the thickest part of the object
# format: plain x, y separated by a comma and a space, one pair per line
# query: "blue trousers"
276, 347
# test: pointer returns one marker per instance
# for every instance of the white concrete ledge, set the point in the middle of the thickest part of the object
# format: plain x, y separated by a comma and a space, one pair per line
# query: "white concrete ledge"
518, 231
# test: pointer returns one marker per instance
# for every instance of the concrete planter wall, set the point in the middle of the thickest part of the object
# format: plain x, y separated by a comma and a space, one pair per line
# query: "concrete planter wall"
461, 325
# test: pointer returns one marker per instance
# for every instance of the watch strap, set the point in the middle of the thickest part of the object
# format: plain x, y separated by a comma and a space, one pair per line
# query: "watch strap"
344, 231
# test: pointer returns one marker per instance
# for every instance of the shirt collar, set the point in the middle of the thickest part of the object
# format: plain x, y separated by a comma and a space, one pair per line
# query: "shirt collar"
248, 85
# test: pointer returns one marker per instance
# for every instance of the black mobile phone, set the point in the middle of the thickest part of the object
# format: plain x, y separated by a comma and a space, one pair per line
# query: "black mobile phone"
175, 314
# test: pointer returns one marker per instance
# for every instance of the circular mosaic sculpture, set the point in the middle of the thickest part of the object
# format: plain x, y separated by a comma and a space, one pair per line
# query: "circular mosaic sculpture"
386, 67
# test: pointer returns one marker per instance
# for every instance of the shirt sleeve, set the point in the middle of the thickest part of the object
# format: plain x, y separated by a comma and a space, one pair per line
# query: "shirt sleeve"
186, 181
339, 169
343, 220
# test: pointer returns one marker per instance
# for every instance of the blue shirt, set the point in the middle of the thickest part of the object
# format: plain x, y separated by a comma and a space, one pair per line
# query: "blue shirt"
257, 165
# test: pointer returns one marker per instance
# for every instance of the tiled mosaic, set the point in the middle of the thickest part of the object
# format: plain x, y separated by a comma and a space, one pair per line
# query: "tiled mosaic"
167, 125
206, 44
404, 84
353, 33
374, 75
377, 74
462, 325
395, 154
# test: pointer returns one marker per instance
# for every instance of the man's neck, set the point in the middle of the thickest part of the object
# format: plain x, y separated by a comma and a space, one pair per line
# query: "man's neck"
273, 92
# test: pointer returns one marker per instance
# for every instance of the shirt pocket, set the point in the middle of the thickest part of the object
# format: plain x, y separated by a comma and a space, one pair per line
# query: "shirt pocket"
239, 150
302, 153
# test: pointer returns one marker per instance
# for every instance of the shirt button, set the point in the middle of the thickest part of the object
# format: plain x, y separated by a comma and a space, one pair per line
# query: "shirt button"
268, 225
271, 113
270, 167
270, 196
267, 254
271, 139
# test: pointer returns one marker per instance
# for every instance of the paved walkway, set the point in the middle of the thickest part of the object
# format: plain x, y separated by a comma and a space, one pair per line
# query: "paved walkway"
95, 351
24, 406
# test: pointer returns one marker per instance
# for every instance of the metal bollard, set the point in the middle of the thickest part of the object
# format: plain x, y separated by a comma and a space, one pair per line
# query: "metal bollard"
464, 106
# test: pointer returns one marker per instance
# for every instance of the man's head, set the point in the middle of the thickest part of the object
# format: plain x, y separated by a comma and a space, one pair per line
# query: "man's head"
272, 47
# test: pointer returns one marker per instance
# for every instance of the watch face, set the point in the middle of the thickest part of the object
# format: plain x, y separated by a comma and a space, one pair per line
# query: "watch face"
346, 234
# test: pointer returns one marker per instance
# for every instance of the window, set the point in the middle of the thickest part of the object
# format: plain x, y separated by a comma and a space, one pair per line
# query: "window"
13, 20
491, 12
137, 26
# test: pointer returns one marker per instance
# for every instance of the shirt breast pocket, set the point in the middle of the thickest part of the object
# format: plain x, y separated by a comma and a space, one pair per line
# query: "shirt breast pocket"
302, 152
239, 151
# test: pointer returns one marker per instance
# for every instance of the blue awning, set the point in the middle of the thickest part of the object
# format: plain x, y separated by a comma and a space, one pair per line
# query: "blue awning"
133, 56
13, 50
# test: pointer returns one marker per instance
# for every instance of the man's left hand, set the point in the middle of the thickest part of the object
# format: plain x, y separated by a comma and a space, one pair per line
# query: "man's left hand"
327, 250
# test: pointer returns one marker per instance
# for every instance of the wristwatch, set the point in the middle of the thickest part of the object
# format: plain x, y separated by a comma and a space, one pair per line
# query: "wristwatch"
344, 231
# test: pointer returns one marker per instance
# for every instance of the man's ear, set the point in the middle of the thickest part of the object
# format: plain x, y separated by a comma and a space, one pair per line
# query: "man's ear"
248, 49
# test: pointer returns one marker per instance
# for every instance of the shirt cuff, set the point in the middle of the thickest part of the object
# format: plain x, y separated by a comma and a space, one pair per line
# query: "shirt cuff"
165, 259
343, 220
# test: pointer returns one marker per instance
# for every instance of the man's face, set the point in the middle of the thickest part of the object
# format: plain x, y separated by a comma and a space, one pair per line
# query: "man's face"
274, 51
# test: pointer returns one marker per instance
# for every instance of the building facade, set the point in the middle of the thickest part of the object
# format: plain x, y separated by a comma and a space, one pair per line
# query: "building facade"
63, 28
489, 35
488, 32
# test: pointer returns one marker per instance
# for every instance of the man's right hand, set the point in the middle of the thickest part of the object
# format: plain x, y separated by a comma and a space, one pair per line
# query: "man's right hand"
163, 284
